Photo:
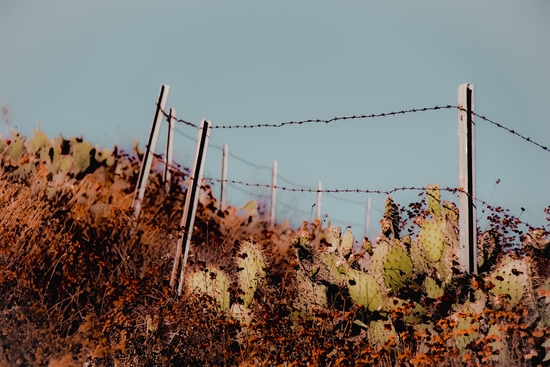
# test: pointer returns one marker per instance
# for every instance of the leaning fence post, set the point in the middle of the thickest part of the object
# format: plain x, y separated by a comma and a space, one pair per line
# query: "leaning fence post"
467, 179
223, 193
169, 148
191, 201
150, 148
273, 191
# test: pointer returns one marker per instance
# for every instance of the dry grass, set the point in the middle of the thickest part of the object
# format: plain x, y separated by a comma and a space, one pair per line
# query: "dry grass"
85, 284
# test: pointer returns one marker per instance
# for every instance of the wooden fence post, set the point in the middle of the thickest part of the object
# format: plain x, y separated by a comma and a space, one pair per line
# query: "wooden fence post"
467, 179
148, 156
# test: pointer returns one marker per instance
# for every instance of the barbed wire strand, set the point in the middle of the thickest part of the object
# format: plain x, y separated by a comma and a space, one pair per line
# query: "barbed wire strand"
318, 121
453, 190
373, 115
511, 131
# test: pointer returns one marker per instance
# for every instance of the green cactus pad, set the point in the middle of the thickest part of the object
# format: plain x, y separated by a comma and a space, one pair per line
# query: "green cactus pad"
450, 212
511, 281
432, 239
335, 266
432, 289
17, 148
81, 156
251, 263
65, 163
364, 290
346, 245
105, 156
466, 330
498, 351
393, 263
39, 141
419, 259
212, 282
367, 246
434, 200
334, 238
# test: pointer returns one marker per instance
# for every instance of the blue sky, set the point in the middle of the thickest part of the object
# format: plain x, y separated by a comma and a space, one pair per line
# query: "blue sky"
95, 68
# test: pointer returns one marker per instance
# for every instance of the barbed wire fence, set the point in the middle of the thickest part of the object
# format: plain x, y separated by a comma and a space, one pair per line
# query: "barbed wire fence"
235, 185
330, 193
467, 165
333, 192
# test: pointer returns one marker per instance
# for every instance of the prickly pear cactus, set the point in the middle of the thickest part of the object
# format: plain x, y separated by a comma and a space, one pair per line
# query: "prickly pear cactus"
434, 200
391, 262
39, 141
433, 290
466, 329
511, 281
17, 148
498, 336
346, 246
212, 282
251, 265
391, 219
432, 239
334, 238
106, 157
364, 290
81, 156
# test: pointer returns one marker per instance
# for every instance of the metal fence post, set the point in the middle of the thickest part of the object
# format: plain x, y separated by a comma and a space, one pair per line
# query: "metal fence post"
319, 188
223, 193
150, 148
467, 179
273, 191
169, 149
191, 201
367, 217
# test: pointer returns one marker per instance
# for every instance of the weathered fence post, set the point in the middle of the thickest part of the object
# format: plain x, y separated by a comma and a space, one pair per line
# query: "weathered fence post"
467, 179
148, 156
191, 201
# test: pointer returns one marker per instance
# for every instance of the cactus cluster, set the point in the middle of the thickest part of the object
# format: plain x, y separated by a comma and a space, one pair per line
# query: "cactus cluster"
52, 156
